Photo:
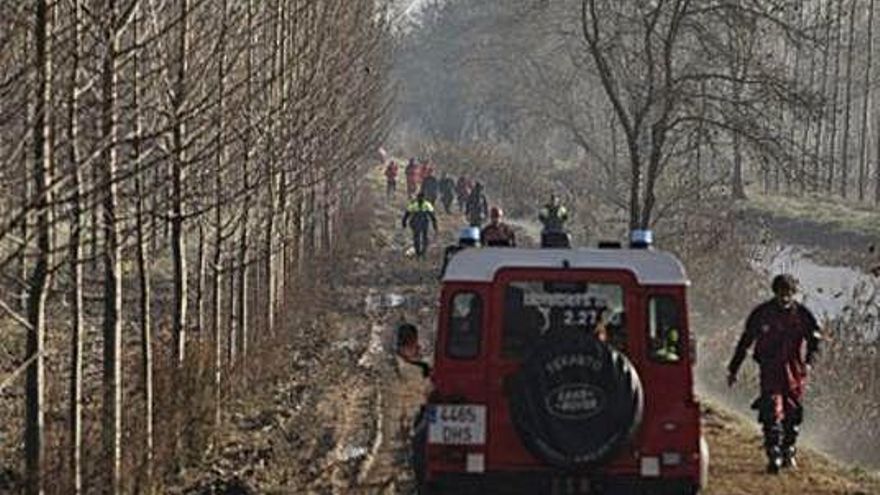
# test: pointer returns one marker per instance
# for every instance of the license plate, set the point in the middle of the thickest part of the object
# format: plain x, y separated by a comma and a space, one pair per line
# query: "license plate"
457, 424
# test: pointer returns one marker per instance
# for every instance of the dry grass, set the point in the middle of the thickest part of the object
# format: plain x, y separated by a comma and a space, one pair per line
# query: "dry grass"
737, 464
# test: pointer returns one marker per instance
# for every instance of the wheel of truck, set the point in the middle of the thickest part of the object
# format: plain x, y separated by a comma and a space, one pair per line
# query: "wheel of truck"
575, 400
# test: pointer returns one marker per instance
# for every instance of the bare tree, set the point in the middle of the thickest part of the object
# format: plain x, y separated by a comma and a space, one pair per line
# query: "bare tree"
77, 226
866, 104
844, 147
39, 279
145, 295
178, 180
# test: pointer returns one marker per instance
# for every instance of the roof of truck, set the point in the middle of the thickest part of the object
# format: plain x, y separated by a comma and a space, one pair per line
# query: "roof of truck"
649, 266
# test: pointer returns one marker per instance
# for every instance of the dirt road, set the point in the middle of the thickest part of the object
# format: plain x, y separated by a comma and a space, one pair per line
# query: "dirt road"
338, 424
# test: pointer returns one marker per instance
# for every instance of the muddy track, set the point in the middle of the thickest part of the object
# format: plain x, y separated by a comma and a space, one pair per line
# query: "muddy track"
369, 408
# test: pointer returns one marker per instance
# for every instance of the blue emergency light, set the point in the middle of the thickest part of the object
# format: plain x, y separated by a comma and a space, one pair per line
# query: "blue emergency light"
641, 239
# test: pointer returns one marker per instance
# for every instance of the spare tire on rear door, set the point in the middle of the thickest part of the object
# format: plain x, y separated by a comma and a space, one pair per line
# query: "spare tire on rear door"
575, 400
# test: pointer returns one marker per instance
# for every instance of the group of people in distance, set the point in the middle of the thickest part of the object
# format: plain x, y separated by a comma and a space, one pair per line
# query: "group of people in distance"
485, 225
426, 191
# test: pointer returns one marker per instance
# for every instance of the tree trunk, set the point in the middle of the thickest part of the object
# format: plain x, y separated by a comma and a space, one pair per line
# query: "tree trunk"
144, 276
75, 251
243, 270
178, 179
635, 185
866, 104
820, 119
232, 335
27, 196
38, 283
795, 172
217, 260
200, 282
739, 71
844, 147
243, 266
112, 325
805, 138
269, 259
832, 142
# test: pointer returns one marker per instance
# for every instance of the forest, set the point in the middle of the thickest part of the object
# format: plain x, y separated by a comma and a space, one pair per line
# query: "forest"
170, 172
176, 176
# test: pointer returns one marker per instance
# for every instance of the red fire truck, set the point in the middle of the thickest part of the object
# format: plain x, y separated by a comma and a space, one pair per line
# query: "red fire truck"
562, 371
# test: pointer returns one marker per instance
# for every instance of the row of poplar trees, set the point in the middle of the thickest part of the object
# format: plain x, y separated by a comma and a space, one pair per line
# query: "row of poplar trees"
169, 170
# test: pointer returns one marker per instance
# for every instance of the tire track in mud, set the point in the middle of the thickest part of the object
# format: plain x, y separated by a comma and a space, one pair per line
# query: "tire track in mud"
373, 408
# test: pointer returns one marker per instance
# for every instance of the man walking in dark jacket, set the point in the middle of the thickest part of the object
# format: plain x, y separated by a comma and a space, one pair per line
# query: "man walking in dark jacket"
447, 192
477, 207
786, 337
419, 216
430, 187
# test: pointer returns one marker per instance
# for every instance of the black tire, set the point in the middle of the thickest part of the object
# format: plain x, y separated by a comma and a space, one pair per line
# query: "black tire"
575, 400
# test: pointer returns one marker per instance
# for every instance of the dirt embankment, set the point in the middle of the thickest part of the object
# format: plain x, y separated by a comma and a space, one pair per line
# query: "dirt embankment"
338, 422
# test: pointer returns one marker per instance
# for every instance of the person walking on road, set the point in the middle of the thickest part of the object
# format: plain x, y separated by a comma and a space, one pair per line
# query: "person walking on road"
430, 187
413, 178
553, 217
786, 338
477, 207
391, 179
497, 233
447, 192
462, 191
419, 216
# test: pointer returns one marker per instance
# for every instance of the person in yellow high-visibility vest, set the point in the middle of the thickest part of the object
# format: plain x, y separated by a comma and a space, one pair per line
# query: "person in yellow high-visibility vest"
419, 216
553, 217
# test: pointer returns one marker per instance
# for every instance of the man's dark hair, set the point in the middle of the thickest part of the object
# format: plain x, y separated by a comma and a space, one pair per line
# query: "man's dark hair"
784, 282
407, 333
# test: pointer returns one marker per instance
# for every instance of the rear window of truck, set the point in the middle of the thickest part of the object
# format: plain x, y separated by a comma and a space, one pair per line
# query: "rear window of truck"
465, 326
536, 308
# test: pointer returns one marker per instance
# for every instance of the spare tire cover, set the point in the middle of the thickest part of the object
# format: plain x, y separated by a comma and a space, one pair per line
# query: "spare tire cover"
575, 400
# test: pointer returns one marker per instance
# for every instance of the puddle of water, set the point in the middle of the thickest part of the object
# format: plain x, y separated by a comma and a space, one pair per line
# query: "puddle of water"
395, 300
375, 302
826, 290
351, 453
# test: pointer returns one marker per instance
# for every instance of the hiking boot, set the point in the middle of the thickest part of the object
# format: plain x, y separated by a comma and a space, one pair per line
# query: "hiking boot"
789, 460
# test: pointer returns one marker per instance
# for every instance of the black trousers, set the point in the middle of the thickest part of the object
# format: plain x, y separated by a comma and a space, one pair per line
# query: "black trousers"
420, 240
447, 203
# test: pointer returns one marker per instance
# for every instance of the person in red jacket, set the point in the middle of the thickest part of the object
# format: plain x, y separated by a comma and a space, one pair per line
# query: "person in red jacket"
391, 179
413, 177
786, 337
462, 191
